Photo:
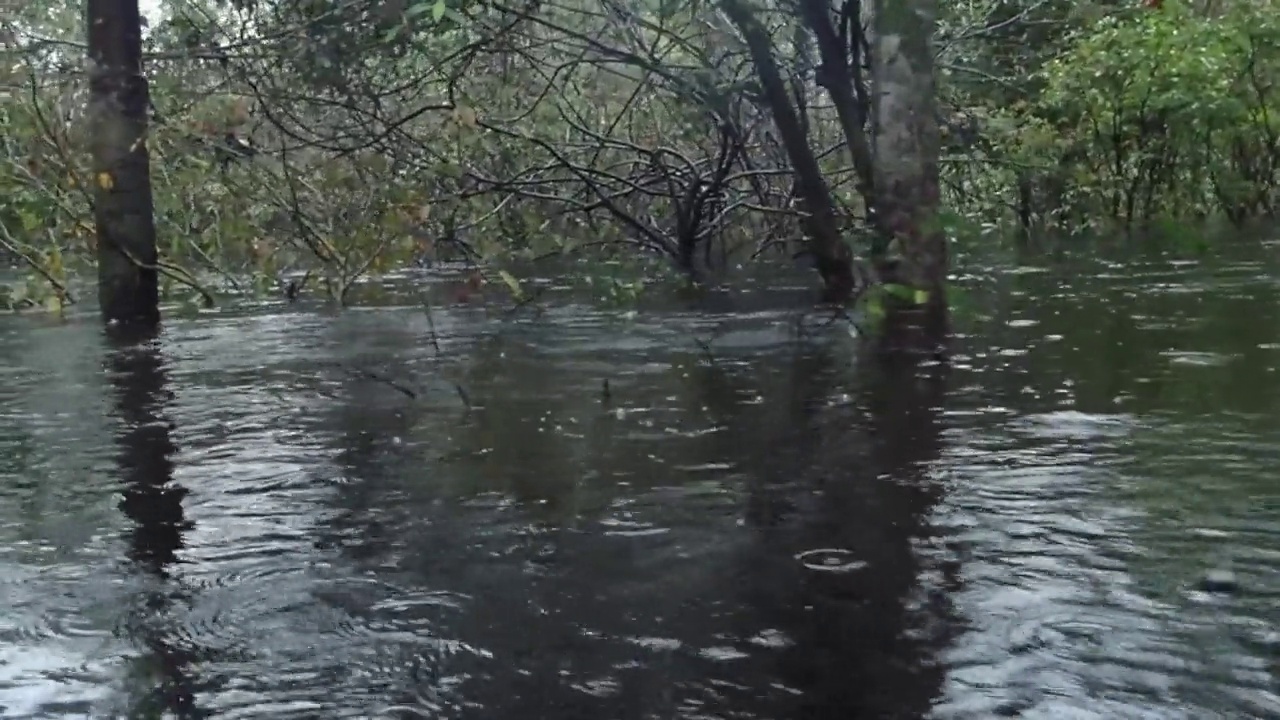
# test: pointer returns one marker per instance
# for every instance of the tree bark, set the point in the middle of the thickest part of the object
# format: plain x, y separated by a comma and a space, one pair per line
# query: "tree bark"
906, 144
128, 289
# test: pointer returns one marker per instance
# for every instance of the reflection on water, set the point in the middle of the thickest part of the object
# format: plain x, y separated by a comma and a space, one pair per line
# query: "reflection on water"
153, 502
235, 520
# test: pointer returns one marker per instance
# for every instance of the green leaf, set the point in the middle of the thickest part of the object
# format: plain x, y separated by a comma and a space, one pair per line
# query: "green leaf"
899, 291
873, 306
437, 12
30, 221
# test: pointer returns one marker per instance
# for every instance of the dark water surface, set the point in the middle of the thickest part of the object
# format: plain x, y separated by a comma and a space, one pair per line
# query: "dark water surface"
236, 521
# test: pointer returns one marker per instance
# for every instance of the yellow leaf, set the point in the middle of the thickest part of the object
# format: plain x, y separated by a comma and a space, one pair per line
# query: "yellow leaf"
511, 282
105, 181
921, 297
54, 263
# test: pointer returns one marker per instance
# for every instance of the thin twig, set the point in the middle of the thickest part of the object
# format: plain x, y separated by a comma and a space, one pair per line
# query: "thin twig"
378, 377
10, 243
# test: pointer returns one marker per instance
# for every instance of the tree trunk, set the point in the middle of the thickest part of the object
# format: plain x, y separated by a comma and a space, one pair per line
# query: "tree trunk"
127, 283
906, 146
833, 256
837, 76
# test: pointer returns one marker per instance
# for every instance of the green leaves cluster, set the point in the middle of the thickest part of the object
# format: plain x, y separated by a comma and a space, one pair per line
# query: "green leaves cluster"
1168, 113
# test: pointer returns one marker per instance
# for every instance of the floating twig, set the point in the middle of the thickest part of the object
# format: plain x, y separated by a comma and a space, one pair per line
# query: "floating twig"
378, 377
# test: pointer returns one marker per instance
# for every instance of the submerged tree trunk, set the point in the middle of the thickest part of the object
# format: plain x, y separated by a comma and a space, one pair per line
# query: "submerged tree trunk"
897, 165
906, 146
127, 283
832, 254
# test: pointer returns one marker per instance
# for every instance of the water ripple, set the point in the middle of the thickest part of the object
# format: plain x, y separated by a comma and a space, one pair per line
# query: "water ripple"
750, 529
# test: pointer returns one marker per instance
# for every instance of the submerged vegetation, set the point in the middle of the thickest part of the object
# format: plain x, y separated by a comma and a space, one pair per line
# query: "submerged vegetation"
297, 146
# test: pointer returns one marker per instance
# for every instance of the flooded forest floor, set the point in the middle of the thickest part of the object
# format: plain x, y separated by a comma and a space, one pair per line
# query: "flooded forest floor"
244, 519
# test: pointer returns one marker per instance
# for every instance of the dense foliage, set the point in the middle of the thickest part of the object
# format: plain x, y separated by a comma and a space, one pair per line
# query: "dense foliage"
1167, 114
339, 139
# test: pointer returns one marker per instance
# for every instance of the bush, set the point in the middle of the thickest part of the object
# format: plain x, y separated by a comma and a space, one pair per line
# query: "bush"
1163, 114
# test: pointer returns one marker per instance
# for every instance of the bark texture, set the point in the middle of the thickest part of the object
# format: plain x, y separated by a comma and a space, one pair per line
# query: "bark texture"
906, 144
123, 213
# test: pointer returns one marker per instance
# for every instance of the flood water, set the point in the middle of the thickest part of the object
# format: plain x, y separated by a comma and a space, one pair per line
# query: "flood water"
243, 519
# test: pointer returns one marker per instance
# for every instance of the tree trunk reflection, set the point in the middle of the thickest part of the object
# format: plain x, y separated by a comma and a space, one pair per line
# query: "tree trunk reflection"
841, 518
154, 504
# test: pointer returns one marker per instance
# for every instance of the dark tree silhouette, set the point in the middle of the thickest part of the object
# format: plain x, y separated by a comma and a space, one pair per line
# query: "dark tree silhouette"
128, 289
